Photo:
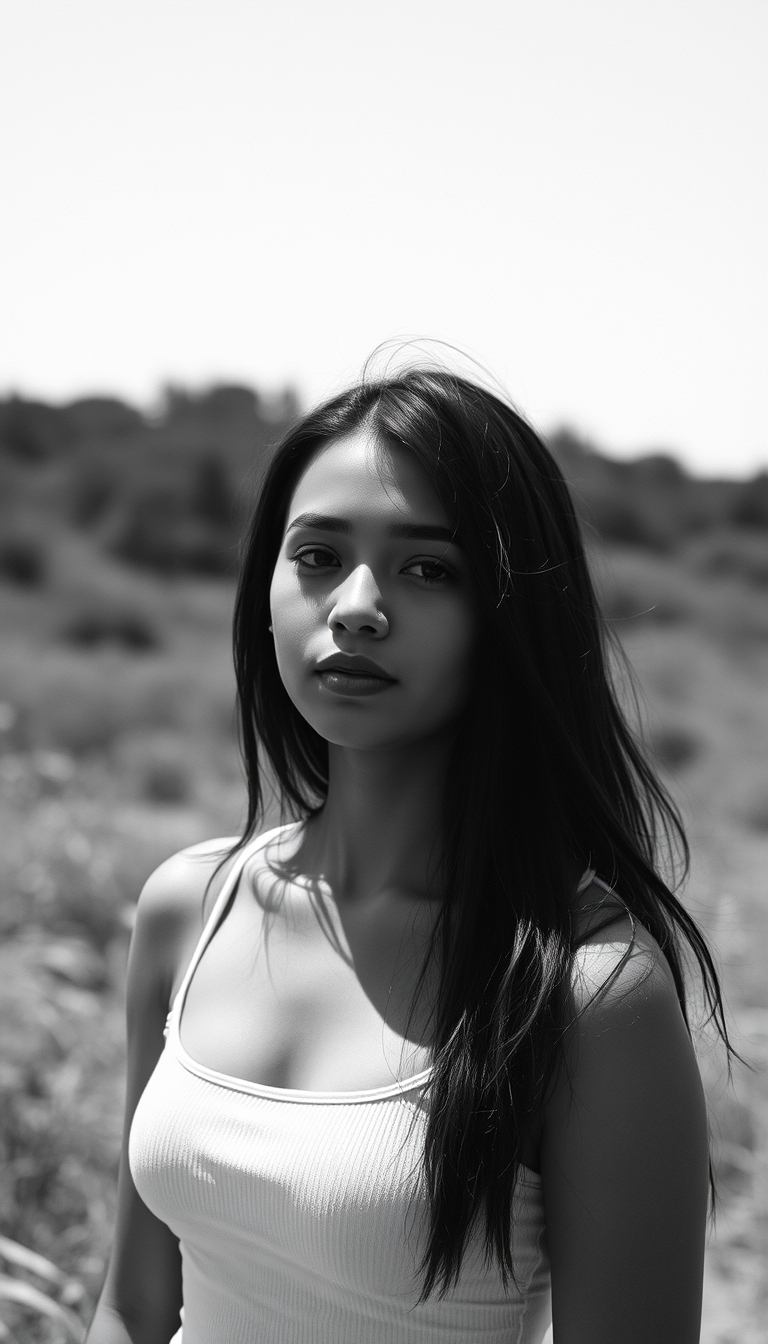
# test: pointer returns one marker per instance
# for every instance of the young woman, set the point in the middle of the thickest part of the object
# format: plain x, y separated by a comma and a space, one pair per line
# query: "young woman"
427, 1055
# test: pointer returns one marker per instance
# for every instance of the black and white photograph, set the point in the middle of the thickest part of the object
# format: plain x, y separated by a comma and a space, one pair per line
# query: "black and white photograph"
383, 672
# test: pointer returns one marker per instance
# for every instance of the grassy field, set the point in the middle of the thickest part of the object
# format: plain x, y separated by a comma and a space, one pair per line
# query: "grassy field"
117, 748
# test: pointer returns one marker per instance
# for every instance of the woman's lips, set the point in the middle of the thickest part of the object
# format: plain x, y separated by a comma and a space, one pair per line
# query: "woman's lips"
352, 683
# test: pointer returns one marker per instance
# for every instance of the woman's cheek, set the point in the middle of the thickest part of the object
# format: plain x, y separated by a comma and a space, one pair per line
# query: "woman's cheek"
292, 631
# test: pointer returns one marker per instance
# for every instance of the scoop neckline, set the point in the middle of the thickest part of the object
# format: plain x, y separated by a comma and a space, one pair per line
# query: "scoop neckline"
301, 1096
291, 1095
246, 1085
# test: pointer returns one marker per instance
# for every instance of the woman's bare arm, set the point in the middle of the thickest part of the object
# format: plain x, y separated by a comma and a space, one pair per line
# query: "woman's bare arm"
625, 1157
141, 1297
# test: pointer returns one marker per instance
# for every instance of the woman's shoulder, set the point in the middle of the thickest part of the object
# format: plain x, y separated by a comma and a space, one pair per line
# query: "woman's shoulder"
178, 895
617, 960
624, 1152
172, 890
625, 1037
169, 911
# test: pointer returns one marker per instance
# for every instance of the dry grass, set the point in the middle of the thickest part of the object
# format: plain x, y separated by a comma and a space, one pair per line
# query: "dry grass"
113, 755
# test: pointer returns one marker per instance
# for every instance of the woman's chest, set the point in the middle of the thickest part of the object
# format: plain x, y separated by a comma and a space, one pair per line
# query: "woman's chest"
278, 998
273, 1200
282, 997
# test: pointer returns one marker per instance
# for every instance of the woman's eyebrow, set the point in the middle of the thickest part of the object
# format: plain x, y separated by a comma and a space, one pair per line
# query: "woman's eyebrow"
325, 522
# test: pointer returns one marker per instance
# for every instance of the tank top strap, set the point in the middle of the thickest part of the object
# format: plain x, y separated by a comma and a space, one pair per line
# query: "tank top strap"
220, 905
585, 881
611, 900
589, 878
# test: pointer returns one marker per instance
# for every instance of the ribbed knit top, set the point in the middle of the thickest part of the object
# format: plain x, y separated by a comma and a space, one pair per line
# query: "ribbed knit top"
301, 1215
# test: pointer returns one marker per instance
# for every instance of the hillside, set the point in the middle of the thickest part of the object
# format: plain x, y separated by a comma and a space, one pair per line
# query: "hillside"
170, 492
118, 552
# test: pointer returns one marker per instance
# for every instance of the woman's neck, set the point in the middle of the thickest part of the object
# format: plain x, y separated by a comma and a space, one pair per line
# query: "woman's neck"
379, 830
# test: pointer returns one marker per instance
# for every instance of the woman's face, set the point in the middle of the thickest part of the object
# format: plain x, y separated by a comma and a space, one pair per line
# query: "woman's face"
372, 608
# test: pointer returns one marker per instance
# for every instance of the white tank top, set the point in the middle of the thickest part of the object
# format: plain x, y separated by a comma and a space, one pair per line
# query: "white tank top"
301, 1216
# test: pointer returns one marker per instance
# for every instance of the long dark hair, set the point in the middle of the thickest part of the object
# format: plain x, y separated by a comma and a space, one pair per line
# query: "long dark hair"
546, 771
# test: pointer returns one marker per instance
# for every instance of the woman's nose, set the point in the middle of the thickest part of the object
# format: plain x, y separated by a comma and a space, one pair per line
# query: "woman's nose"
357, 605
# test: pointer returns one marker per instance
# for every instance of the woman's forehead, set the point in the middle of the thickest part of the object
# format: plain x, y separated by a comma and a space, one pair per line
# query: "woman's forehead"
360, 474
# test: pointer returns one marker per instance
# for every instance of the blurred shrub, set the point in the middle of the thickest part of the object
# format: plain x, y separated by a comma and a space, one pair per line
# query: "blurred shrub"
640, 503
652, 501
230, 404
75, 962
731, 554
176, 504
32, 1283
54, 770
622, 521
166, 781
755, 813
168, 492
32, 430
675, 747
128, 629
79, 704
161, 765
637, 589
102, 419
80, 897
211, 493
186, 529
750, 509
80, 718
93, 487
60, 1111
23, 559
8, 717
626, 602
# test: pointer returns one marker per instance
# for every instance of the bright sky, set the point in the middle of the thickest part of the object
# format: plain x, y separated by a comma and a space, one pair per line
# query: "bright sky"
575, 192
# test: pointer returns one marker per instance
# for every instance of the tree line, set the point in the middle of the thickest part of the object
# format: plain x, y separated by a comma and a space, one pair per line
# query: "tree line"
170, 491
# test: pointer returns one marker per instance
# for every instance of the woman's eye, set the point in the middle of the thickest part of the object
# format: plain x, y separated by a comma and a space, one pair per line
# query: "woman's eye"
313, 559
432, 571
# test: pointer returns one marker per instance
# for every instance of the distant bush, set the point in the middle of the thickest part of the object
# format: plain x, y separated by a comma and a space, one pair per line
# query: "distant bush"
60, 1103
750, 508
159, 764
636, 587
165, 492
182, 522
733, 554
34, 1284
102, 418
652, 501
158, 535
93, 487
755, 814
32, 430
622, 521
80, 705
166, 782
170, 491
211, 496
227, 404
80, 718
130, 630
23, 560
676, 747
628, 602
